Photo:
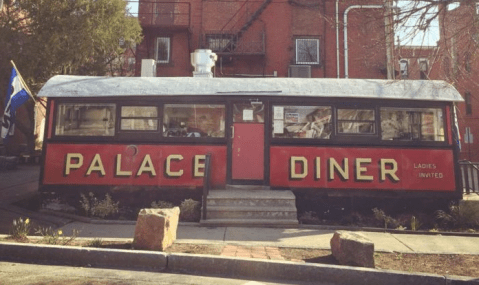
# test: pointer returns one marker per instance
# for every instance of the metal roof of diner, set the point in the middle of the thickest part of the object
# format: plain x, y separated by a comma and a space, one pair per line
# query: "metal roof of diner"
92, 86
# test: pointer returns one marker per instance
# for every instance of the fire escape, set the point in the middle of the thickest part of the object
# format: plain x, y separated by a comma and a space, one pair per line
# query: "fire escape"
233, 41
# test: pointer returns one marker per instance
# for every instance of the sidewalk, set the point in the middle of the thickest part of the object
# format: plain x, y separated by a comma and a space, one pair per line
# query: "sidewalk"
292, 238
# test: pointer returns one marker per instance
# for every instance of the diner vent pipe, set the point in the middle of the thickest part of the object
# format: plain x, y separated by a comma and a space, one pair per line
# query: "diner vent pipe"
203, 60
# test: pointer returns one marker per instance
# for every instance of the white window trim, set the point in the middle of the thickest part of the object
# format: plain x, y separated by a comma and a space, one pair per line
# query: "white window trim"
423, 60
168, 40
296, 51
407, 67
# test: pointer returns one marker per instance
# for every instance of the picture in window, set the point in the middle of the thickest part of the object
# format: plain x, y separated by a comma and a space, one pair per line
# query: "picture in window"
302, 122
85, 120
194, 120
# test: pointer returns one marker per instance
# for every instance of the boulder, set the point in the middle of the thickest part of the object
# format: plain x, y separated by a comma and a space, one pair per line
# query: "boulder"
351, 248
156, 228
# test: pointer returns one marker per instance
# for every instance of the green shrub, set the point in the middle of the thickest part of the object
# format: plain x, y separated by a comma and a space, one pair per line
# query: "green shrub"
161, 205
98, 208
190, 211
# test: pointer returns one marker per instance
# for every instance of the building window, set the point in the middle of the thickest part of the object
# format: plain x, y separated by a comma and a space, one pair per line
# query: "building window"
356, 121
162, 50
307, 51
468, 101
194, 120
221, 42
467, 62
302, 122
85, 120
423, 69
477, 8
404, 68
139, 118
401, 124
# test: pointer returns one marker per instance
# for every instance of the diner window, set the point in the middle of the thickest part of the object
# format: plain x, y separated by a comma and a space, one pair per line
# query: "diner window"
80, 119
162, 50
139, 118
356, 121
307, 51
302, 122
194, 120
412, 124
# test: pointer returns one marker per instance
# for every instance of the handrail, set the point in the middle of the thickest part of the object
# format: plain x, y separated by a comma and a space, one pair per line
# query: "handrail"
206, 184
470, 174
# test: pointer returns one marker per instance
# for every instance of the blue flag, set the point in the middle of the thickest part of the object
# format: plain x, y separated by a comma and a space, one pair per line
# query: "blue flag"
16, 96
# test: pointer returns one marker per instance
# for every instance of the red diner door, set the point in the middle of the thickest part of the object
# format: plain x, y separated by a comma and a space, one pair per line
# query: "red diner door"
247, 151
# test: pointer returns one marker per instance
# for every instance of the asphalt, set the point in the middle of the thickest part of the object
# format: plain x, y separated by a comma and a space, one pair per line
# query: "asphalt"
191, 233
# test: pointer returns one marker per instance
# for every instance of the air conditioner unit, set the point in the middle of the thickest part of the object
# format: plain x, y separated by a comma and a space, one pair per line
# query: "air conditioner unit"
148, 68
299, 71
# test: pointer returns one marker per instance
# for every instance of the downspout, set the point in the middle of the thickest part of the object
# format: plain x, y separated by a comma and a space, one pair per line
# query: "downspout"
346, 72
337, 38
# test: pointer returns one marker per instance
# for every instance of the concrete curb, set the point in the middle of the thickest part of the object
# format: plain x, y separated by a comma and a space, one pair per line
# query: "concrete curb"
218, 265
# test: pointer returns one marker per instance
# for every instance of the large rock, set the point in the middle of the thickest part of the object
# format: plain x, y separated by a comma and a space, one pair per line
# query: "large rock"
156, 228
351, 248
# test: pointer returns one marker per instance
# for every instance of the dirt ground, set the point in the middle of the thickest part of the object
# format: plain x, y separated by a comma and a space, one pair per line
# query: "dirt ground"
441, 264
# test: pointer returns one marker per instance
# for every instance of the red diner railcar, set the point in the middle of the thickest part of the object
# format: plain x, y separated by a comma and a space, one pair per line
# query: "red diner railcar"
330, 136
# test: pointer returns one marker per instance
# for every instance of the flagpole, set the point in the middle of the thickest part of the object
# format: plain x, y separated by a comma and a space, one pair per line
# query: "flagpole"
23, 82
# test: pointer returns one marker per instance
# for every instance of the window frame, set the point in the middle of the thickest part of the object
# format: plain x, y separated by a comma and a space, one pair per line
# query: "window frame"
423, 74
296, 139
69, 137
374, 121
168, 52
318, 50
403, 74
195, 139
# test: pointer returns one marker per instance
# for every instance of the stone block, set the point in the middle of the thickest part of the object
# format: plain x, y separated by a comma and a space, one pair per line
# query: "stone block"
351, 248
156, 228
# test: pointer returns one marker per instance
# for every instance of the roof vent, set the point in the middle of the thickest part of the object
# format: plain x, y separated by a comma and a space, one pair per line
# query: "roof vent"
203, 60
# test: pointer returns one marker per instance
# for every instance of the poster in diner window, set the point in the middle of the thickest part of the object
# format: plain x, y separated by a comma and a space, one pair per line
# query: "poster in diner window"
427, 124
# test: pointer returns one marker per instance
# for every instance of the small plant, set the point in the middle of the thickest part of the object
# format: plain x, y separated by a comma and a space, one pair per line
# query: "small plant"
388, 220
401, 228
97, 242
308, 217
161, 205
20, 228
98, 208
51, 236
190, 210
415, 224
457, 218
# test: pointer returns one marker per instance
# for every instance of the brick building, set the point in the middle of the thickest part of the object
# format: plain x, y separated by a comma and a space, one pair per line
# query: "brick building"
298, 38
459, 66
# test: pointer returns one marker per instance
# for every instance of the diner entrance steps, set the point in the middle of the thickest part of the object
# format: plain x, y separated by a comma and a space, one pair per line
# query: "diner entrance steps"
241, 205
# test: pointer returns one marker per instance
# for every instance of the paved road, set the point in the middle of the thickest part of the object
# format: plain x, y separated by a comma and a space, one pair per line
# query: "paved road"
19, 183
20, 273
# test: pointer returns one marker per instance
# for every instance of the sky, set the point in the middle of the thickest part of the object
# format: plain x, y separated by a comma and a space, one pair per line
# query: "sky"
133, 6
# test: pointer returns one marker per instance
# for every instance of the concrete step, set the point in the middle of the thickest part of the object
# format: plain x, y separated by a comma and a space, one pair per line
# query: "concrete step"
246, 187
238, 202
251, 207
249, 223
253, 212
